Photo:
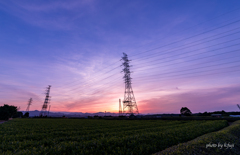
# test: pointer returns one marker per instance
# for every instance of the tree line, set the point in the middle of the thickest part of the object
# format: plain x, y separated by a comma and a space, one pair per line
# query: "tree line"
10, 111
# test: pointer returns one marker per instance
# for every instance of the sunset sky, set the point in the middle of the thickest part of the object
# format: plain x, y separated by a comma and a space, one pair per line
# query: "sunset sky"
184, 54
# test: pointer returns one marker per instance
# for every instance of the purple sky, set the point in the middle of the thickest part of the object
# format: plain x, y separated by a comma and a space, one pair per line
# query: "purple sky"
184, 54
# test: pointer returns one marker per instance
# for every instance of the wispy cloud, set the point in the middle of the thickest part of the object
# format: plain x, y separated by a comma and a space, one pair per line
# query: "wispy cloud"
13, 95
44, 14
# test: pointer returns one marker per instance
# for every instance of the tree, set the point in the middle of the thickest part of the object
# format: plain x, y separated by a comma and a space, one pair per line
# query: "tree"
26, 114
7, 112
185, 111
18, 115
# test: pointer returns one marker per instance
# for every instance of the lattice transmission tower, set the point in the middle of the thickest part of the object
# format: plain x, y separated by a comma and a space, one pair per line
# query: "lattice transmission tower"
129, 102
49, 109
120, 107
29, 103
46, 102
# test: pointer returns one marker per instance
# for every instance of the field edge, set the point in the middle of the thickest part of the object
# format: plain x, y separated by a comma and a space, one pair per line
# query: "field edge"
228, 135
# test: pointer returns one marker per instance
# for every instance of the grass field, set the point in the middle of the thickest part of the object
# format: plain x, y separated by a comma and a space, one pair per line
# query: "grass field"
86, 136
226, 140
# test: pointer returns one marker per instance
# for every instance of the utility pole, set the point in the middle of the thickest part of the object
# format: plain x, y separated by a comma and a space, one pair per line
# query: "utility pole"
120, 107
46, 102
129, 101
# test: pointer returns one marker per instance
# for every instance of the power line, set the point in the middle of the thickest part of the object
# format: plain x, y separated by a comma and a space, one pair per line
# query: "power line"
89, 91
192, 73
91, 84
203, 22
187, 38
94, 83
117, 67
144, 57
114, 86
189, 60
190, 37
106, 89
102, 87
168, 79
206, 62
95, 73
197, 50
189, 69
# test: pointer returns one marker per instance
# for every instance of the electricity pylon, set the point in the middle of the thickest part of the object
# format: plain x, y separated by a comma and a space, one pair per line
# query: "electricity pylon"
49, 109
129, 101
29, 103
120, 107
46, 102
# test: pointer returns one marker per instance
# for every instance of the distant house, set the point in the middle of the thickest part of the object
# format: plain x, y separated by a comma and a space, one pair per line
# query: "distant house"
216, 115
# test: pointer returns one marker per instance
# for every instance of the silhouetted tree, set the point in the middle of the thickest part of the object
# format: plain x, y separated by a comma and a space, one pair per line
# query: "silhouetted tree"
206, 114
7, 112
26, 114
18, 115
221, 112
185, 111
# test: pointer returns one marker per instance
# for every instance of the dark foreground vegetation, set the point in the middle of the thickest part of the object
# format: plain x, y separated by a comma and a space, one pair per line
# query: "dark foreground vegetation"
10, 111
90, 136
7, 112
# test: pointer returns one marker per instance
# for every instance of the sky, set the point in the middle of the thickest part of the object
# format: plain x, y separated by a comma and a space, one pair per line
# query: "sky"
183, 54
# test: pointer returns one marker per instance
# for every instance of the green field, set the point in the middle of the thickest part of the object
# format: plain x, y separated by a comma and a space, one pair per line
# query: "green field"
226, 140
86, 136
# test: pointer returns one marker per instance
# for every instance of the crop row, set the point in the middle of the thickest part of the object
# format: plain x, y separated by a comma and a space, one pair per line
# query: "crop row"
226, 141
86, 133
48, 126
86, 136
124, 140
